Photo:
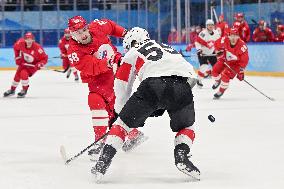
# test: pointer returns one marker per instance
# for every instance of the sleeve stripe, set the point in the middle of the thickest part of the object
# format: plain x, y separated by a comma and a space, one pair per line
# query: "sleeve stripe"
124, 72
139, 63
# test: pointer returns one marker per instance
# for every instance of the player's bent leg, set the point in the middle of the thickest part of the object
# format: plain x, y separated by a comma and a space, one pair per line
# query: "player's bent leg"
225, 79
14, 85
24, 75
183, 142
113, 143
202, 72
100, 121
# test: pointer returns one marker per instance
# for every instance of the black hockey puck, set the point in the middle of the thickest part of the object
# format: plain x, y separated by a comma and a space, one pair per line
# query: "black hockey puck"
211, 118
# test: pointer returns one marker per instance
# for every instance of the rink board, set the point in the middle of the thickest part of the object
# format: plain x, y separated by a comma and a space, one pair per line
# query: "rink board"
265, 59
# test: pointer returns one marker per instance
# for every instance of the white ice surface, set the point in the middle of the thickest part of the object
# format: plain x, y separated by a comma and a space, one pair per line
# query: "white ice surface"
244, 148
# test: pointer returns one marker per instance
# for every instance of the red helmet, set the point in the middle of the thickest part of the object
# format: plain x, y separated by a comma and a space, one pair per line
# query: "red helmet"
29, 35
233, 31
76, 23
261, 22
236, 25
280, 27
239, 15
67, 31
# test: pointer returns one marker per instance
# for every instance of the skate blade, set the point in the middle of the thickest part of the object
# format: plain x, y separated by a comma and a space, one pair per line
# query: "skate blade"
128, 148
193, 174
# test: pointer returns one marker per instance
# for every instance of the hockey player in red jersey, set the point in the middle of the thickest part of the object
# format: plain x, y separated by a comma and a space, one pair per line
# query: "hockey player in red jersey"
205, 50
235, 55
242, 26
29, 57
63, 46
93, 54
166, 82
279, 33
222, 26
262, 33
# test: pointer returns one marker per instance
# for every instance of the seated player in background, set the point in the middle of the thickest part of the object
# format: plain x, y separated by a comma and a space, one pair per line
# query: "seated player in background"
205, 50
63, 46
93, 54
262, 33
233, 52
166, 82
242, 26
222, 26
279, 37
29, 58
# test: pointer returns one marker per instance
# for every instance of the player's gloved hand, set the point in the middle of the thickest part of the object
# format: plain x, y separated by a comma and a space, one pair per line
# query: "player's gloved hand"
219, 53
18, 61
189, 47
117, 58
241, 74
199, 52
39, 65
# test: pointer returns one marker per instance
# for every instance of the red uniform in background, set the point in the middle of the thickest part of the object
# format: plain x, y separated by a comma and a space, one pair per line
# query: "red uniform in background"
262, 33
222, 26
63, 46
173, 36
92, 59
280, 34
236, 56
29, 57
242, 26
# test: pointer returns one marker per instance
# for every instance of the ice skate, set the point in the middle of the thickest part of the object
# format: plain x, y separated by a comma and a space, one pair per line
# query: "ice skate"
76, 78
96, 151
103, 163
217, 95
22, 94
133, 142
216, 85
183, 163
9, 93
199, 84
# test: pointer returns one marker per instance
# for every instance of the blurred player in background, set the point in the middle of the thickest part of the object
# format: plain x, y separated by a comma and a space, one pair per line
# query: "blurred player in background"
93, 54
242, 26
262, 33
205, 50
234, 53
194, 32
279, 37
63, 46
29, 58
166, 82
222, 26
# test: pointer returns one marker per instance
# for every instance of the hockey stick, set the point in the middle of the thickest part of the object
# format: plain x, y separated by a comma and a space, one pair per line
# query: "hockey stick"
272, 99
255, 22
64, 155
45, 68
204, 55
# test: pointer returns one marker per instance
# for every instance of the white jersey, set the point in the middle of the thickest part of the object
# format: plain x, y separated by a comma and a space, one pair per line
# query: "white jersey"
152, 59
205, 41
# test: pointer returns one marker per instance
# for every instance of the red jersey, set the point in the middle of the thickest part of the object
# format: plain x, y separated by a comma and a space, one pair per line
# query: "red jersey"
279, 37
244, 30
91, 59
63, 46
222, 28
236, 55
34, 55
173, 37
264, 35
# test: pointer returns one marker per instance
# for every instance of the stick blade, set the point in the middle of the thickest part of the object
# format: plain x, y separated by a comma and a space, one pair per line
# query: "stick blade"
63, 153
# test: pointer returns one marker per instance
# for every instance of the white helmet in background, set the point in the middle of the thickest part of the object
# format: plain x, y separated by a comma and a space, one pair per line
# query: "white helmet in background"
137, 34
209, 22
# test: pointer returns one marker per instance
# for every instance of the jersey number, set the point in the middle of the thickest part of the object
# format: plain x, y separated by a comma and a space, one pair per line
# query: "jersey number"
73, 57
159, 53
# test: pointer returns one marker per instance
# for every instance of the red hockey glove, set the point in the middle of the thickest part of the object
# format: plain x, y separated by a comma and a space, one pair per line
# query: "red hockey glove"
39, 65
241, 75
117, 58
189, 47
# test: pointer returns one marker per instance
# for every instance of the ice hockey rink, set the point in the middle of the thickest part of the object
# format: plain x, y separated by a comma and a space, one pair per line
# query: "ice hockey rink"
243, 148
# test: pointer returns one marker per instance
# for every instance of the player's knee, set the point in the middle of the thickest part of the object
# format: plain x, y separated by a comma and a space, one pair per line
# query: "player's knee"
96, 101
24, 75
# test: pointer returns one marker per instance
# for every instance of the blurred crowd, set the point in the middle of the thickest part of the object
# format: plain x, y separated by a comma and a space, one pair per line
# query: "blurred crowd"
262, 33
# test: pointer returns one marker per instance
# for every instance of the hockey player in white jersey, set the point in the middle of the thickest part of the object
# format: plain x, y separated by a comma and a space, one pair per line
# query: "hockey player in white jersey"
205, 50
166, 82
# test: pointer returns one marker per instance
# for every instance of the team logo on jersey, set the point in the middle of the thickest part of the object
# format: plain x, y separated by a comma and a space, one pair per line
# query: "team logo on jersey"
230, 56
104, 51
210, 44
28, 58
66, 46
